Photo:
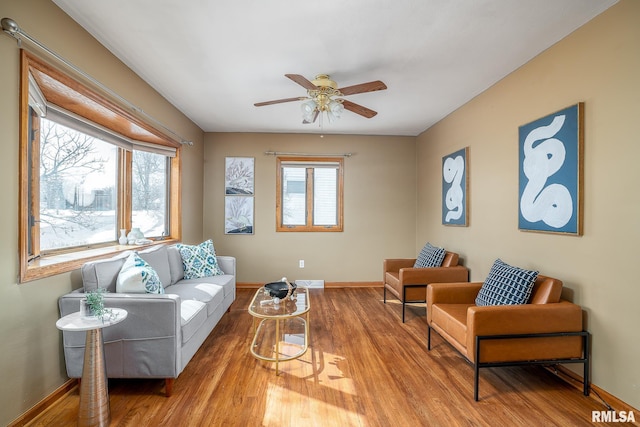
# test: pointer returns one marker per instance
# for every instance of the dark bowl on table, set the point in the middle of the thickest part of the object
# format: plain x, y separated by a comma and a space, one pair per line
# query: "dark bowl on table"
279, 289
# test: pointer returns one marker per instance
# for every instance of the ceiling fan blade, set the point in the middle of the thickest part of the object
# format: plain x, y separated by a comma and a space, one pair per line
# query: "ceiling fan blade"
279, 101
358, 109
315, 117
363, 87
302, 81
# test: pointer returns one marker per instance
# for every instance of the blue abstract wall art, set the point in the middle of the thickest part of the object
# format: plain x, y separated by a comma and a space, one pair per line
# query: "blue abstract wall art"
550, 173
454, 188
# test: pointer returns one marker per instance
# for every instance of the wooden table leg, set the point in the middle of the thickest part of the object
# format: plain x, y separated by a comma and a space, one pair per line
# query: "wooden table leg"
94, 394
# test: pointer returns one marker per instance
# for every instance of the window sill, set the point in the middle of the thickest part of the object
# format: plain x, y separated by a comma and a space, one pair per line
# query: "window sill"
51, 265
318, 229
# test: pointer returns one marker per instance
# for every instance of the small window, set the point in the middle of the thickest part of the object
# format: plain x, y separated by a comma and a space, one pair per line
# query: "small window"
309, 194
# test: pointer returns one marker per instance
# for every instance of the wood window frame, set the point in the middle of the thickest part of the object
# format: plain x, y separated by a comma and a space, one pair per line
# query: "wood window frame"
70, 93
309, 195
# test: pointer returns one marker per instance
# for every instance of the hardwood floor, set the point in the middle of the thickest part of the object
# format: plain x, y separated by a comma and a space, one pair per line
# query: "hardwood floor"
363, 368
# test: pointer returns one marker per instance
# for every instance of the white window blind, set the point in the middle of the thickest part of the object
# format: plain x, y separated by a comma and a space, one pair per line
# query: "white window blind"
325, 196
294, 195
74, 121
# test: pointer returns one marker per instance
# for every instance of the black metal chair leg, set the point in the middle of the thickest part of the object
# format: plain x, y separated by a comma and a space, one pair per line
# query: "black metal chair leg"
404, 299
476, 370
384, 293
428, 337
585, 359
587, 350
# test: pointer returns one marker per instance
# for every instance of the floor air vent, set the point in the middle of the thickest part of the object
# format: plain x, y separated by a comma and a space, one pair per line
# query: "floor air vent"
311, 284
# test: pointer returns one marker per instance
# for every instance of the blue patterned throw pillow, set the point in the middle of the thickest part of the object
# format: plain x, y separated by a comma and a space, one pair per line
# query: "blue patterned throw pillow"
430, 256
200, 260
506, 285
137, 276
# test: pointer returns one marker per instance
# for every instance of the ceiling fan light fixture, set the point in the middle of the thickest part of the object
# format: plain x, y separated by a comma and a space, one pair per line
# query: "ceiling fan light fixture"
321, 98
336, 107
334, 110
308, 109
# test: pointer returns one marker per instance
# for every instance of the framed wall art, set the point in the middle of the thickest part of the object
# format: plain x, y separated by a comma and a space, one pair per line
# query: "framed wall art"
455, 183
239, 176
238, 215
550, 172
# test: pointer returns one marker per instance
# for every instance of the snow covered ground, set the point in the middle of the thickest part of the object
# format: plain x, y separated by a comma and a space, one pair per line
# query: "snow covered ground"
63, 228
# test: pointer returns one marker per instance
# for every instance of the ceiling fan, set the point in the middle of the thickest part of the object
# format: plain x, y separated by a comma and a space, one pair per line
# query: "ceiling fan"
323, 95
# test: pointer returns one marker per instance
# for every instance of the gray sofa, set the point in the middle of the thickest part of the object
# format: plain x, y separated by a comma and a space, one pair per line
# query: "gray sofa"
162, 332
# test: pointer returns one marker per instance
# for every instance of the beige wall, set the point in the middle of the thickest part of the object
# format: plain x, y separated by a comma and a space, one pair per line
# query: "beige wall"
598, 64
31, 361
379, 211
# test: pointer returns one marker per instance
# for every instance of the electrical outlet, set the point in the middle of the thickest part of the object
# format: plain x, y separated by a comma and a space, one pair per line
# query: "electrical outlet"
301, 263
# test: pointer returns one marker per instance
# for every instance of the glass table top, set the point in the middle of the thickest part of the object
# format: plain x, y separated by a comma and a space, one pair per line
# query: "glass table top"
263, 304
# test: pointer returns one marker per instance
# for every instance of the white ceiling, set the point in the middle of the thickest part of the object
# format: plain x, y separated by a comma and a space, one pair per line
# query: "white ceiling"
214, 59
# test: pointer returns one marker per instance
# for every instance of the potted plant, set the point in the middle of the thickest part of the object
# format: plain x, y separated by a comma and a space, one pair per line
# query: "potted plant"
93, 304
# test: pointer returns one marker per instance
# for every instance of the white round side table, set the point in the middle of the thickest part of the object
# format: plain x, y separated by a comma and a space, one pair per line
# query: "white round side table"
94, 394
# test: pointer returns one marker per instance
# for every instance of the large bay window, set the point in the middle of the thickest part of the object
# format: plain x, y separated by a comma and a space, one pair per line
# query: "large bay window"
88, 169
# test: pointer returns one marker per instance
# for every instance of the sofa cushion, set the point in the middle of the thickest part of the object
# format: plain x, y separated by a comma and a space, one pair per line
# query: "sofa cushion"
175, 263
430, 256
103, 273
453, 319
137, 276
506, 285
158, 259
193, 314
200, 260
197, 290
546, 290
451, 259
392, 278
226, 282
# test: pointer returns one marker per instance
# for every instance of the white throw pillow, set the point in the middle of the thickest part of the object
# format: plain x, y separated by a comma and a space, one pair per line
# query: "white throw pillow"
138, 277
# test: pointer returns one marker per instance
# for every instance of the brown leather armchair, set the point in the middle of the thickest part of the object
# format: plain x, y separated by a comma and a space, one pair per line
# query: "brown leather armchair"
409, 284
547, 330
